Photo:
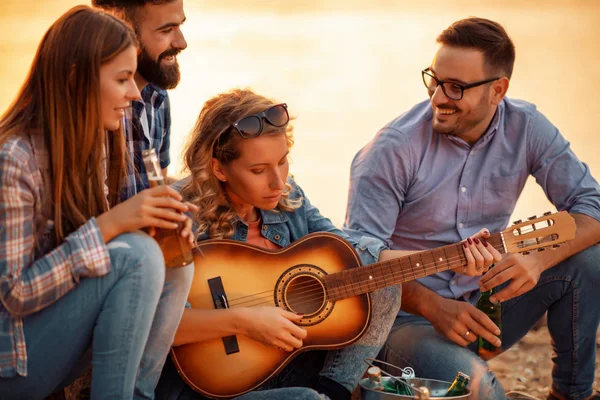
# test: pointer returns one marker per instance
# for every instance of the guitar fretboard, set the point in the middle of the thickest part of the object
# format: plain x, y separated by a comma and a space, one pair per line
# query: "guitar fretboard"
356, 281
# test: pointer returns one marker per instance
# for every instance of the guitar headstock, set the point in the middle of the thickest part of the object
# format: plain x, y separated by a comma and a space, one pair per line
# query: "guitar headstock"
548, 230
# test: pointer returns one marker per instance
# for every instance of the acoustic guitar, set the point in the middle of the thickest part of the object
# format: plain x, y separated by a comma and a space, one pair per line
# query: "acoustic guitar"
318, 276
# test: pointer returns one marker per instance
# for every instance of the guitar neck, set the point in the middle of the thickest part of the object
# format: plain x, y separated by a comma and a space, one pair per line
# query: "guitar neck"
355, 281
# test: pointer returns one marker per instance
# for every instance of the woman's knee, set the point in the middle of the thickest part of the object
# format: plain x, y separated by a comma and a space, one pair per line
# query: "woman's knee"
385, 304
179, 279
136, 252
387, 301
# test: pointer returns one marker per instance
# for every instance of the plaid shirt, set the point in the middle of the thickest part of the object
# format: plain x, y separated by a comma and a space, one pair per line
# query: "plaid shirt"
32, 278
147, 125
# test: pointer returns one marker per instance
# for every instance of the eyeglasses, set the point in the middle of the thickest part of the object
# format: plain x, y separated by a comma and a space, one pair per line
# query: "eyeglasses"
252, 125
452, 90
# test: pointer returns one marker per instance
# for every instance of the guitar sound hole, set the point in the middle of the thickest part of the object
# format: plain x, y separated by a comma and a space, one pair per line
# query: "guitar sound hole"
305, 294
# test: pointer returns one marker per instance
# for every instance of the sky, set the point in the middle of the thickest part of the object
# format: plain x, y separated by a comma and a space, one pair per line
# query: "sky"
346, 68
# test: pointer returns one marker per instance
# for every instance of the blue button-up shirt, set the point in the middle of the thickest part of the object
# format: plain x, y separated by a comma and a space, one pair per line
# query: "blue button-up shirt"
416, 189
147, 125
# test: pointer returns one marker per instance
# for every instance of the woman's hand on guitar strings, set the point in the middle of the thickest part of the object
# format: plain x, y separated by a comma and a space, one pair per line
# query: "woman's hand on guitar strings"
273, 326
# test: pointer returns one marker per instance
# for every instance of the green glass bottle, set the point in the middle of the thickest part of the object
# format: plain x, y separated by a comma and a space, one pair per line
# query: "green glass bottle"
485, 349
397, 387
459, 386
376, 382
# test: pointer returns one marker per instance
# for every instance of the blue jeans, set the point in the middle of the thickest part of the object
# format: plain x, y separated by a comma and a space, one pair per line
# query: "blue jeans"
345, 366
568, 291
126, 320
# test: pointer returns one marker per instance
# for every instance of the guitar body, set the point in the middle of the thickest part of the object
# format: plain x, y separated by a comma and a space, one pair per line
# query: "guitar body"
316, 276
293, 278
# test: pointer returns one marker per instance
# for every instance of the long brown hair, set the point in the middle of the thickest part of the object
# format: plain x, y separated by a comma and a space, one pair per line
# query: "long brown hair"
60, 101
212, 137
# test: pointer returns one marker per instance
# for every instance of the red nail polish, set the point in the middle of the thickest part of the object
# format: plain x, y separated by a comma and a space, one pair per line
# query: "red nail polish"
476, 241
465, 245
485, 243
470, 241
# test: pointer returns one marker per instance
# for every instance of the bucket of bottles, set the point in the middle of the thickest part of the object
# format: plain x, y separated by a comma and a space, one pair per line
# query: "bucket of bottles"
420, 388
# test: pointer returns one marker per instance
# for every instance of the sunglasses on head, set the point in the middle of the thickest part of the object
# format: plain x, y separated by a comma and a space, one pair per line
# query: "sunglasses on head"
252, 125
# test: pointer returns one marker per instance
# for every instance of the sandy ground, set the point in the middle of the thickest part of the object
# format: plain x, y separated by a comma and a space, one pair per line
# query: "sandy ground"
527, 365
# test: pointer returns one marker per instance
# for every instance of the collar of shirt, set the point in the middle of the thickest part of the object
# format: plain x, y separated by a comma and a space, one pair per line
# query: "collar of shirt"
267, 217
489, 133
152, 95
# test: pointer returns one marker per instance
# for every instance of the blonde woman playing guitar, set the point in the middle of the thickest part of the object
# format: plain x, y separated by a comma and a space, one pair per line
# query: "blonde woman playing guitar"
238, 160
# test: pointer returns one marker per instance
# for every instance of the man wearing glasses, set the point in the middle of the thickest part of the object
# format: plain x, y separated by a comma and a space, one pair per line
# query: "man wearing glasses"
456, 164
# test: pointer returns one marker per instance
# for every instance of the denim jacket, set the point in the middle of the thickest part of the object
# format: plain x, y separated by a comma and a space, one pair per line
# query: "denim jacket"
284, 228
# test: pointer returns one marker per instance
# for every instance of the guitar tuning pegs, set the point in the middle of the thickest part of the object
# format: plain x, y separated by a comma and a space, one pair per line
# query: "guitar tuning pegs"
517, 222
532, 217
525, 253
547, 213
541, 249
555, 246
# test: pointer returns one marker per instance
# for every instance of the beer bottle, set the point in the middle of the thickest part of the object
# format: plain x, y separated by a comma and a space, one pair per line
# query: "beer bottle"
389, 385
374, 374
459, 386
397, 387
176, 250
485, 349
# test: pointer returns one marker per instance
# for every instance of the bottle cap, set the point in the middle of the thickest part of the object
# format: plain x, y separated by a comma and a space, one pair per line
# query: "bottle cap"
374, 372
464, 376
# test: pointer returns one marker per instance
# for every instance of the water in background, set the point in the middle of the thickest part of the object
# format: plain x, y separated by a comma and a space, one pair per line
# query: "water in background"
345, 68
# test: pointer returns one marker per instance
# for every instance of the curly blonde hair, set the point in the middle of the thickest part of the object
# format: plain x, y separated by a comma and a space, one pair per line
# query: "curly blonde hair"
213, 137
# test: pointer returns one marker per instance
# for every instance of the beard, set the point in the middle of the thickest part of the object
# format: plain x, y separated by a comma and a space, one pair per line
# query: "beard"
462, 121
165, 77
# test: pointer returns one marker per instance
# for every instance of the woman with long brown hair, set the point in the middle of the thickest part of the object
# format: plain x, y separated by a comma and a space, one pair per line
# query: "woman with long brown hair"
237, 156
76, 274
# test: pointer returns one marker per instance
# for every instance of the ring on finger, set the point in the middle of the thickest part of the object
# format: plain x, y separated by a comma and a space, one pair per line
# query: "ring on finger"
467, 333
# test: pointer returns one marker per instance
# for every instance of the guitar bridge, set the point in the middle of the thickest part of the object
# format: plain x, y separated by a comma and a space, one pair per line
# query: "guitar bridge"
220, 301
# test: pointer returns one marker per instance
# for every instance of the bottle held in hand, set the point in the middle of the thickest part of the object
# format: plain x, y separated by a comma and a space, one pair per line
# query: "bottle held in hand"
176, 249
485, 349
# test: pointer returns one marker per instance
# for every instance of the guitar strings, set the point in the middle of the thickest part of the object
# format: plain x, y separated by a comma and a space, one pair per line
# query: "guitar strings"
406, 271
313, 291
394, 272
380, 264
307, 288
347, 290
260, 298
303, 286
